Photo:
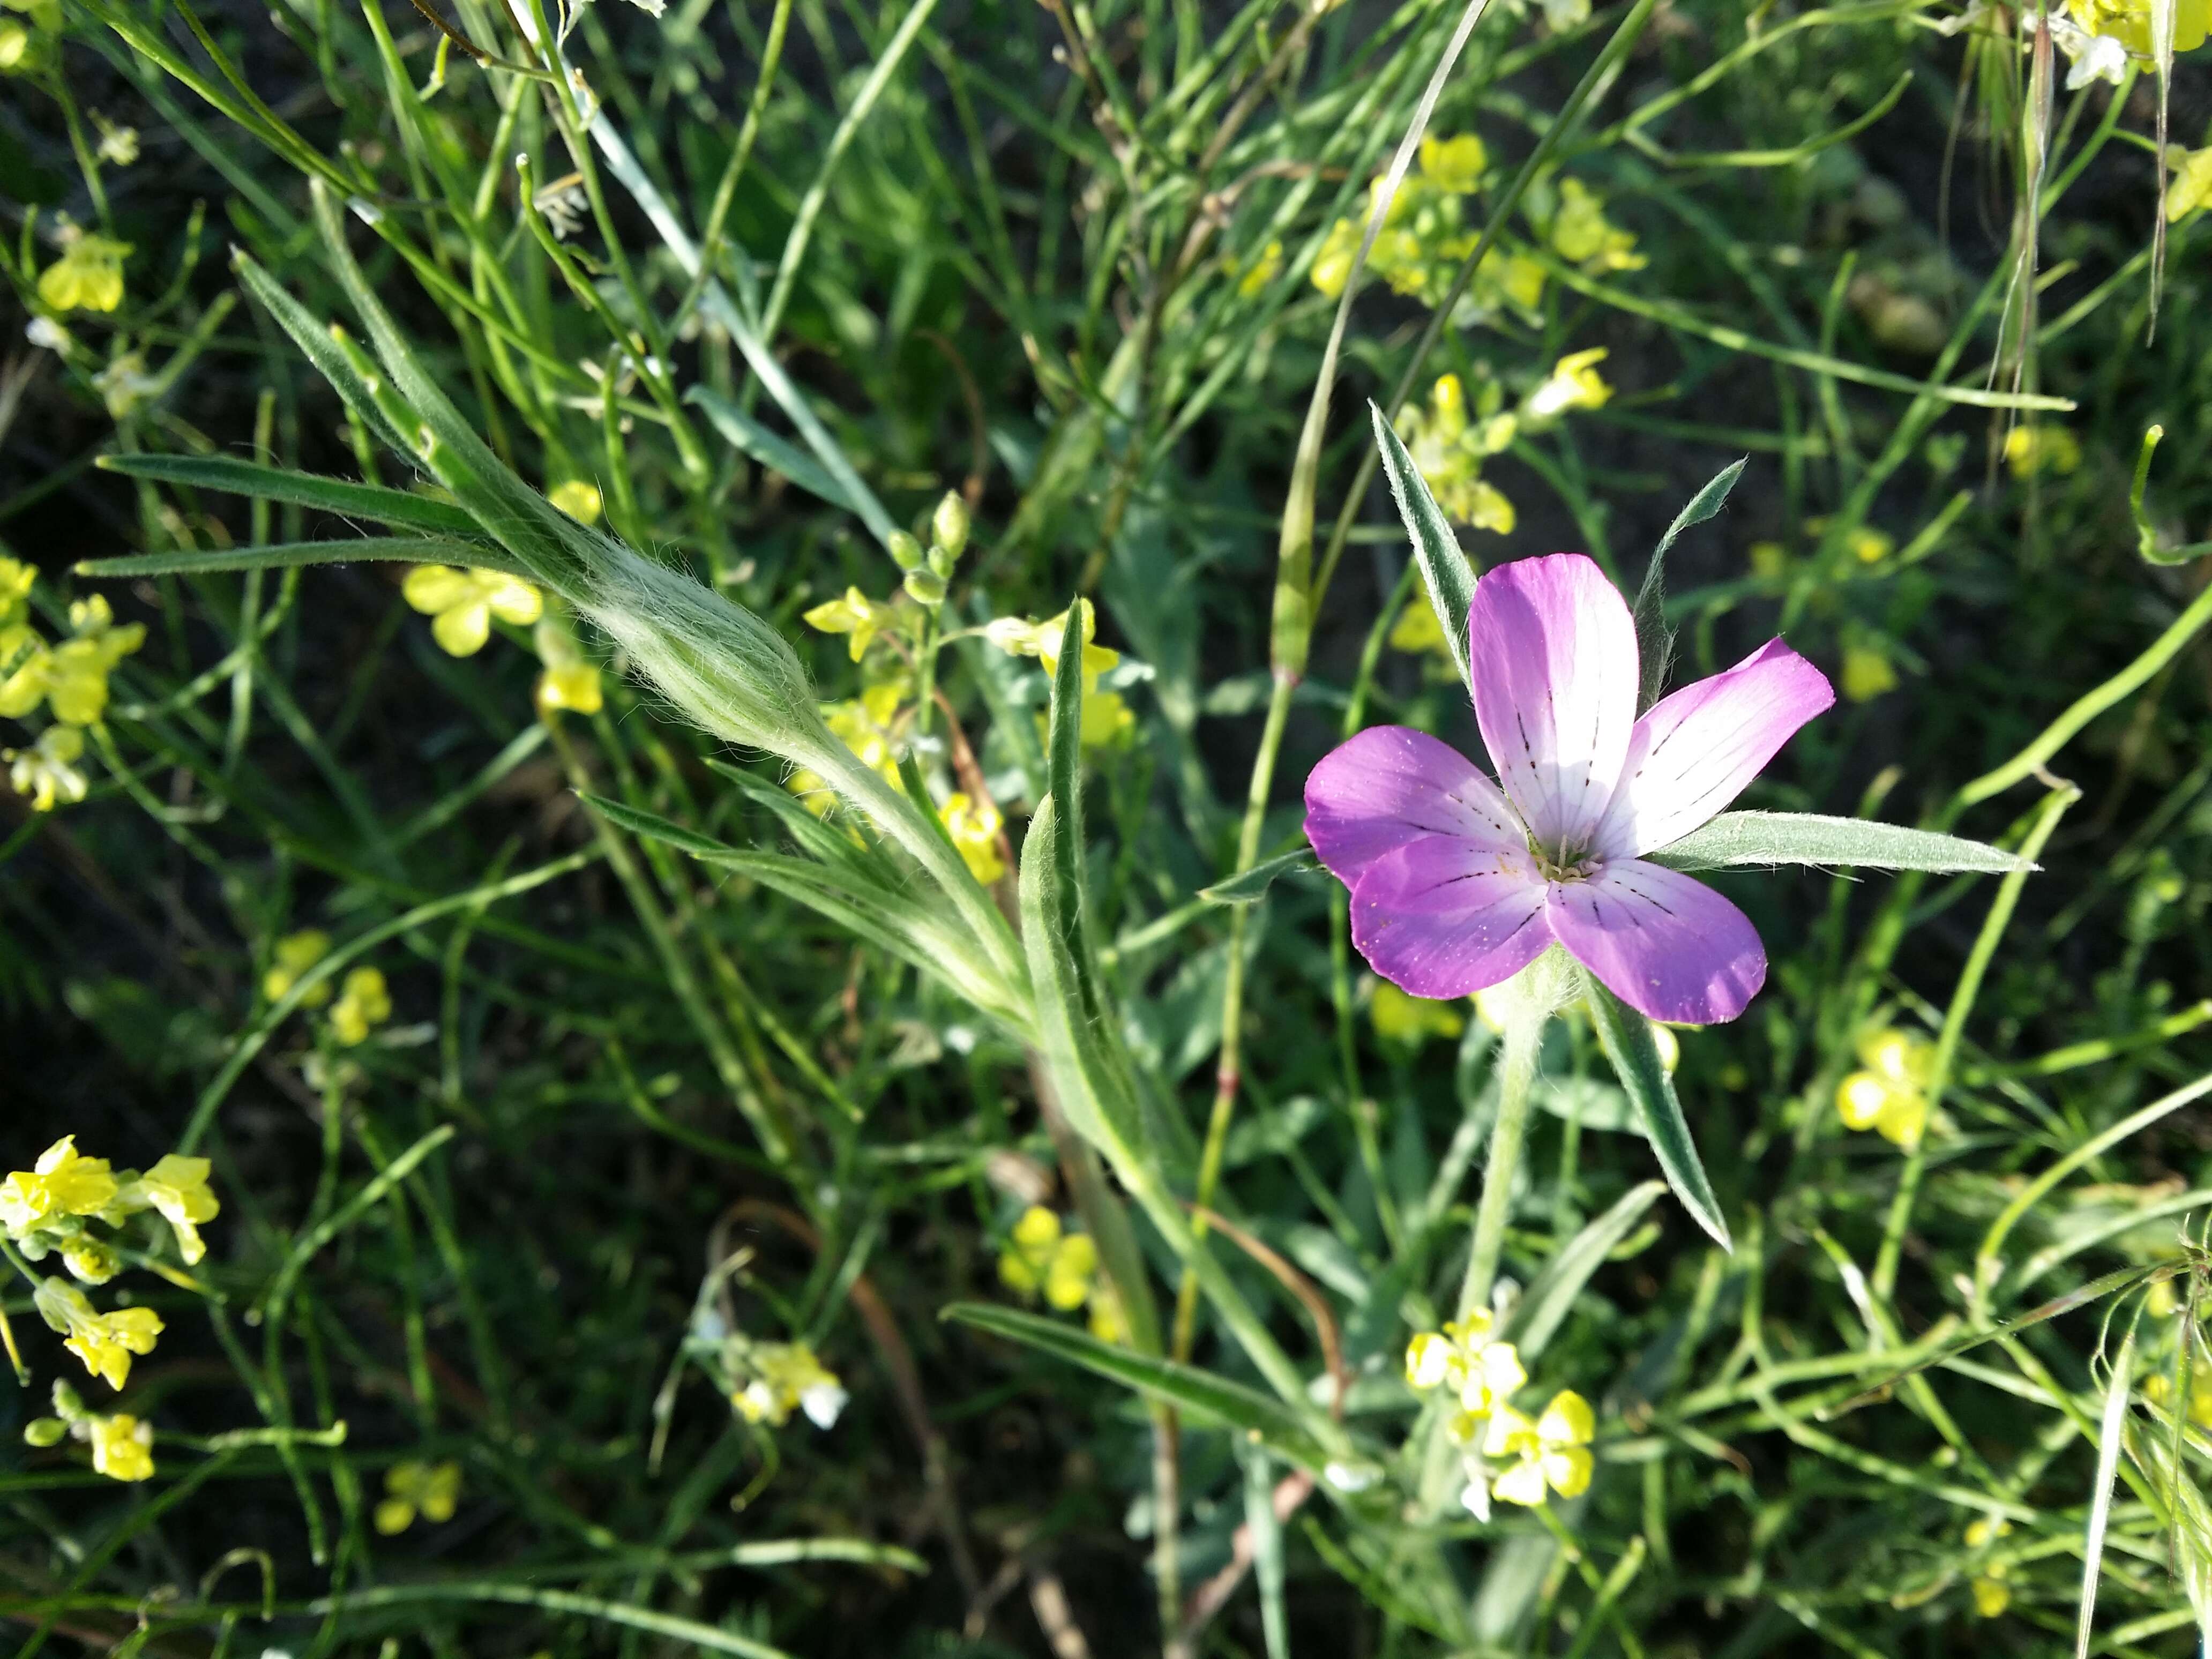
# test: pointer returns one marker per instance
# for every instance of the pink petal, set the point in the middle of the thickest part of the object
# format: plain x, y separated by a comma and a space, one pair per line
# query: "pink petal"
1670, 947
1553, 653
1390, 784
1693, 752
1442, 917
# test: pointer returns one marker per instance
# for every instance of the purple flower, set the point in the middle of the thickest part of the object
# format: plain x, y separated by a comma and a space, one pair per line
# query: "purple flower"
1457, 885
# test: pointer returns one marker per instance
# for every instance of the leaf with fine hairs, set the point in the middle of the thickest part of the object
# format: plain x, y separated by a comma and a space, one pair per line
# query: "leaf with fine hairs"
1768, 838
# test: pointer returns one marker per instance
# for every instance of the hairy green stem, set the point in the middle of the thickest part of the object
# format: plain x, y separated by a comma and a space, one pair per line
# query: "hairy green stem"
1517, 1074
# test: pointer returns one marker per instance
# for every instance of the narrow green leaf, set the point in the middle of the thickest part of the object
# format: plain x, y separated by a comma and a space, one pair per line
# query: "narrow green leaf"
1250, 887
340, 495
1626, 1037
1266, 1547
2111, 1429
1654, 640
284, 555
1546, 1302
749, 437
1740, 838
1449, 577
1199, 1393
313, 339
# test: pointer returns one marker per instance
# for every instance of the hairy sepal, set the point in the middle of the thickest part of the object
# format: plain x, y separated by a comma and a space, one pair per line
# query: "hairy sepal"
1449, 577
1626, 1038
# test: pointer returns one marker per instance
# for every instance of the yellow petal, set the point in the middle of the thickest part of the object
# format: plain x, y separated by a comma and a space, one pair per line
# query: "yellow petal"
1568, 1471
431, 588
462, 631
1567, 1421
513, 599
1522, 1484
1068, 1280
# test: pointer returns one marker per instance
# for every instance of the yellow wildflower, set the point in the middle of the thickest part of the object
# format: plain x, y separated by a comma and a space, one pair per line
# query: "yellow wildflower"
1252, 281
856, 614
1574, 383
90, 1260
1868, 545
1553, 1451
432, 1491
71, 677
1401, 1018
47, 771
1770, 560
2128, 21
122, 1447
974, 826
571, 679
16, 581
461, 603
1108, 1322
119, 146
64, 1182
1106, 720
1890, 1095
105, 1342
1668, 1045
1041, 1257
788, 1378
2158, 1388
294, 954
1418, 630
579, 499
1991, 1595
1332, 266
1456, 164
1505, 278
1867, 674
1580, 234
2192, 188
1450, 448
2030, 450
177, 1189
1462, 1360
867, 727
1019, 637
18, 46
362, 1005
88, 277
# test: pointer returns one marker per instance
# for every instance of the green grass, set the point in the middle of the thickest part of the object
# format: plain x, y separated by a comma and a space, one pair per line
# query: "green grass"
676, 1071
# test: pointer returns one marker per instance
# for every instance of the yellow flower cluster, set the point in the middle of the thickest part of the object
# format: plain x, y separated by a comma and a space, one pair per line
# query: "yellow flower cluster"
1867, 671
870, 726
48, 1207
1507, 1454
1889, 1096
974, 826
70, 677
1107, 719
1425, 239
571, 679
786, 1377
121, 1445
88, 276
1449, 446
2030, 451
412, 1488
1042, 1257
2129, 22
1991, 1595
857, 616
1573, 383
364, 1000
461, 603
2191, 189
581, 500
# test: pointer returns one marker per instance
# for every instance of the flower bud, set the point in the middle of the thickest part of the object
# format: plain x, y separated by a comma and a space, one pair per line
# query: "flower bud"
941, 559
45, 1431
950, 525
925, 587
905, 550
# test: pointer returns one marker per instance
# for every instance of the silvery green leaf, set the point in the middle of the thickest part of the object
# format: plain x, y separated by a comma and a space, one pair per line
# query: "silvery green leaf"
1751, 838
340, 495
1449, 577
1628, 1043
1251, 886
1654, 640
750, 437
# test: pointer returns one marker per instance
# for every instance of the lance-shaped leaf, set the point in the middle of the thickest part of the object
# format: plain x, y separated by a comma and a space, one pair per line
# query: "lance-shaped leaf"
1626, 1037
1545, 1304
399, 507
1449, 577
749, 437
1199, 1394
1252, 885
1654, 640
1749, 838
287, 556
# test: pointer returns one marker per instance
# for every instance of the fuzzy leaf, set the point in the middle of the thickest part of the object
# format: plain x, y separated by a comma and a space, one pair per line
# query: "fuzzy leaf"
1250, 886
284, 555
1449, 577
340, 495
1739, 838
1654, 640
1626, 1036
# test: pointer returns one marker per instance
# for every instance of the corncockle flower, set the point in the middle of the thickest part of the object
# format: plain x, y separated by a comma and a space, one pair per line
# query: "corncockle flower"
1458, 883
461, 603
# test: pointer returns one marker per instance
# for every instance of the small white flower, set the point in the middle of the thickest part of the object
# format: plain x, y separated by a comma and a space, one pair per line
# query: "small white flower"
823, 1403
2094, 57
